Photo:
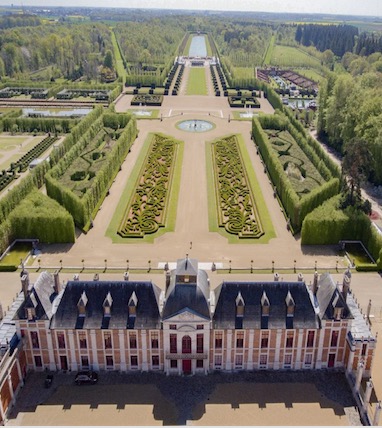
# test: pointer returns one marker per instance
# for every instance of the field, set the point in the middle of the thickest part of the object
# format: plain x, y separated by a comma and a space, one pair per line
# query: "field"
287, 56
269, 53
197, 84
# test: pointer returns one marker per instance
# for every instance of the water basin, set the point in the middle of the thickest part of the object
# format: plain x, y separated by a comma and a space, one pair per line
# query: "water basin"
195, 125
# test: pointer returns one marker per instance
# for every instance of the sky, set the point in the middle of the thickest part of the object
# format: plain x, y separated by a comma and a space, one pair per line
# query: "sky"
343, 7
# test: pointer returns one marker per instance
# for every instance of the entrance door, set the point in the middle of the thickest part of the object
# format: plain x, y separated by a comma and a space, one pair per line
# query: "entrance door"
331, 360
63, 362
186, 366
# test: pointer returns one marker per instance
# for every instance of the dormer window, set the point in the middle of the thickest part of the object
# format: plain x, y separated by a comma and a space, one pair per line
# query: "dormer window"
81, 305
338, 313
133, 301
290, 305
239, 305
265, 304
337, 308
107, 305
31, 314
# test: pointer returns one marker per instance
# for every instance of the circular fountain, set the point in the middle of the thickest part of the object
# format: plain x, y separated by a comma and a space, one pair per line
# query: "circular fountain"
195, 125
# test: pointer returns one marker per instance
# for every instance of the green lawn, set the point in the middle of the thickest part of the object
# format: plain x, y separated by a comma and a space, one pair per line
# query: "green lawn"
269, 53
287, 56
197, 84
129, 189
261, 206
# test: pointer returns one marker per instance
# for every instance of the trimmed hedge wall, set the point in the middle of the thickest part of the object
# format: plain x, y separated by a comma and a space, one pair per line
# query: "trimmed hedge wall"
295, 207
38, 216
85, 208
328, 224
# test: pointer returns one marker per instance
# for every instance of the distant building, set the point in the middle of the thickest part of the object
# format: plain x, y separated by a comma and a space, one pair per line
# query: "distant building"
189, 328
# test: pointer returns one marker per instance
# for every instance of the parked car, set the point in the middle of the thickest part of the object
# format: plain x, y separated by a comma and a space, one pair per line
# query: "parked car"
86, 377
48, 381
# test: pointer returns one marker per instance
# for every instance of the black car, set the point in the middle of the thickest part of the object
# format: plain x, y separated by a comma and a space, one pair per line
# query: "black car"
88, 377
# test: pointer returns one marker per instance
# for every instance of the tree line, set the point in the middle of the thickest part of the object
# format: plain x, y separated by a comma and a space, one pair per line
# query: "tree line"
338, 38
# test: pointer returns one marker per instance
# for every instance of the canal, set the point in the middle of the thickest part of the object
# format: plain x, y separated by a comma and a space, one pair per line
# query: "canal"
198, 46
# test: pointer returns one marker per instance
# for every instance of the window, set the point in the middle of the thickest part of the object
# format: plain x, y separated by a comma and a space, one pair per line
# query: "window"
199, 343
199, 364
308, 359
61, 340
154, 340
310, 339
173, 344
109, 361
37, 361
133, 340
218, 361
199, 327
334, 338
82, 339
34, 340
240, 339
218, 339
174, 364
264, 340
84, 362
239, 361
172, 326
107, 340
364, 348
134, 361
263, 360
287, 360
186, 345
239, 310
338, 314
289, 339
155, 360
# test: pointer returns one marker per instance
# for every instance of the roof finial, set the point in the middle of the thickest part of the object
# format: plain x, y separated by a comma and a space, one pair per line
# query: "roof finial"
186, 261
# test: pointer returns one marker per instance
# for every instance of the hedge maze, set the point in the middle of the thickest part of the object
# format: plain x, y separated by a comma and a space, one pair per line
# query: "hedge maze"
81, 173
148, 206
236, 208
301, 173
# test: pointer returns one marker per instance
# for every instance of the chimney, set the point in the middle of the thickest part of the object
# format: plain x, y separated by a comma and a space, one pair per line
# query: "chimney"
300, 277
76, 277
315, 283
276, 277
57, 285
126, 276
345, 287
25, 284
168, 276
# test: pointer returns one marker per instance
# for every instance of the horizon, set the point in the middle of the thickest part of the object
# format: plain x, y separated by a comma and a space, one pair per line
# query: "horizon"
369, 8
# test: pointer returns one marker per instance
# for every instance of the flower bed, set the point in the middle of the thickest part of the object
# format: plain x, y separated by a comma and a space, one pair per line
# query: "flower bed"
148, 206
236, 208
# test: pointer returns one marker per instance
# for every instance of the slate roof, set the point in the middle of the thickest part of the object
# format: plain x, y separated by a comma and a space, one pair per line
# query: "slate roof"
41, 298
147, 310
191, 296
252, 293
328, 293
187, 267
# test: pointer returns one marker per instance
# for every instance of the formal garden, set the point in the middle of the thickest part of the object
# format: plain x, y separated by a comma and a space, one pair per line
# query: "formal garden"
149, 205
81, 179
236, 206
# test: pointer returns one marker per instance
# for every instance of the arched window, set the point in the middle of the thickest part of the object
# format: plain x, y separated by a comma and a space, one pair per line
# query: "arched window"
186, 345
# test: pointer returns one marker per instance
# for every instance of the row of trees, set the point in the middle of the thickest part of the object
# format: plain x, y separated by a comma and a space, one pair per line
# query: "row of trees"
350, 108
72, 50
338, 38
